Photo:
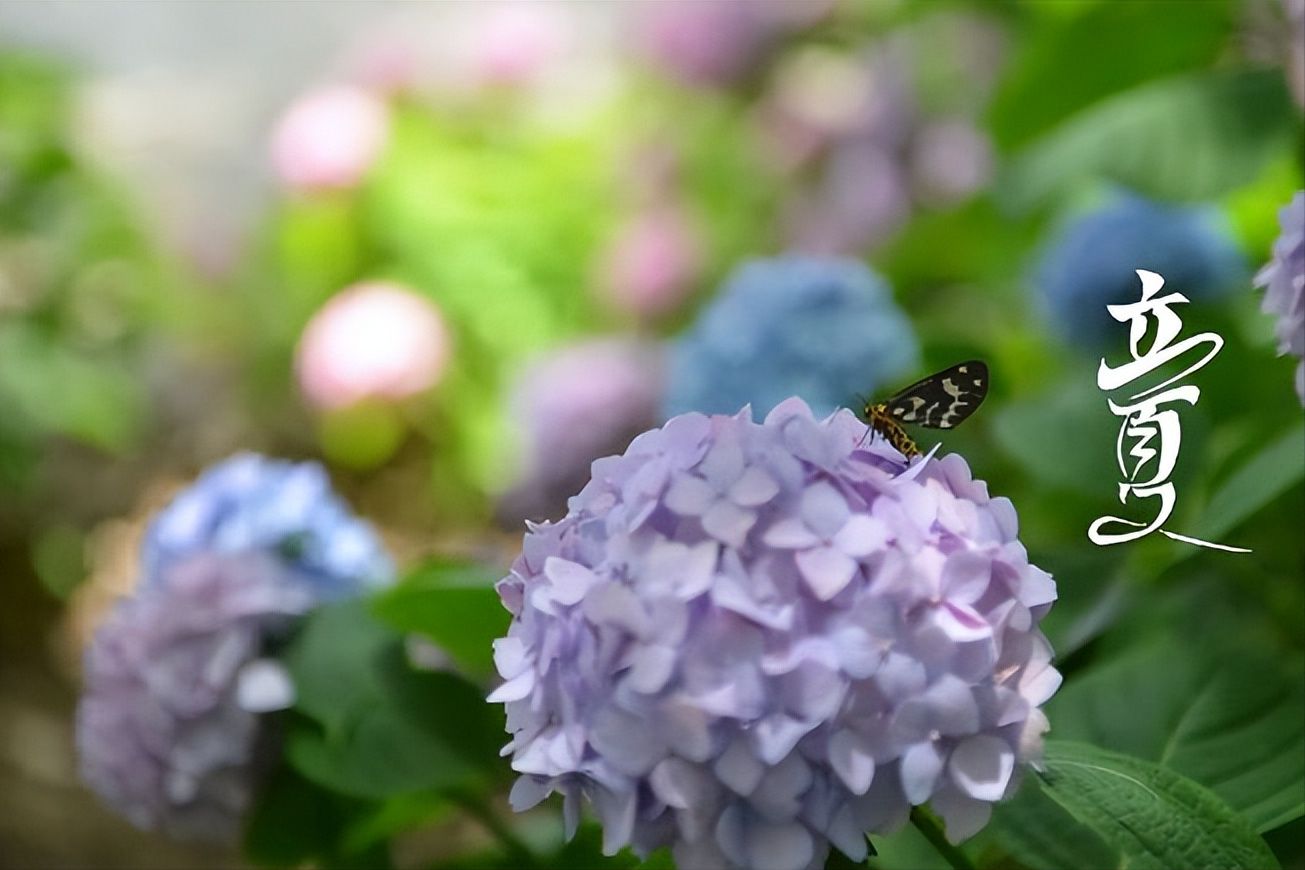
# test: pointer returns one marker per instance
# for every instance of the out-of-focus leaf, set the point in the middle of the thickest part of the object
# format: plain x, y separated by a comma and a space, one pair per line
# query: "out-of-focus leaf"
1155, 817
454, 604
382, 728
1190, 138
292, 822
95, 401
1277, 467
1065, 63
1062, 440
1229, 720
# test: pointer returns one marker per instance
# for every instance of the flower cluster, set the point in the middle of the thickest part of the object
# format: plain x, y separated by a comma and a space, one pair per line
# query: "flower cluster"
250, 502
1092, 261
751, 641
1284, 281
168, 728
824, 329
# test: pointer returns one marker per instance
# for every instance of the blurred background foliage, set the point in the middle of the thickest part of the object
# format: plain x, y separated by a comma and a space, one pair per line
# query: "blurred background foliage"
584, 182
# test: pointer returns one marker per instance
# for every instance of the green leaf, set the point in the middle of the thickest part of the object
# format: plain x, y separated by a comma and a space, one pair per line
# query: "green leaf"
1066, 63
294, 823
1191, 138
1062, 440
1038, 832
380, 727
1228, 719
1152, 815
454, 604
1264, 477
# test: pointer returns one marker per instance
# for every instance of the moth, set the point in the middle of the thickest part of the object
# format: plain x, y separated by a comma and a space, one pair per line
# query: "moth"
940, 401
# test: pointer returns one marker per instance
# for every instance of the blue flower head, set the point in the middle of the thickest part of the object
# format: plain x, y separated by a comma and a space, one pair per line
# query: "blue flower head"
822, 329
288, 509
1093, 260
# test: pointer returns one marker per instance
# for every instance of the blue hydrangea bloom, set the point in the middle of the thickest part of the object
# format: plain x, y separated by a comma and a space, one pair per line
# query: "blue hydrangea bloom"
750, 642
825, 330
169, 727
1091, 262
250, 502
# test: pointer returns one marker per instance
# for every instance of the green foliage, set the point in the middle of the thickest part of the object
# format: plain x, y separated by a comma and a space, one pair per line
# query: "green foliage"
1151, 815
452, 603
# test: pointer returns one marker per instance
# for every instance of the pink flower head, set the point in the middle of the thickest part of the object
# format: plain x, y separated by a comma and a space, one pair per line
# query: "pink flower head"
371, 340
329, 138
514, 43
652, 262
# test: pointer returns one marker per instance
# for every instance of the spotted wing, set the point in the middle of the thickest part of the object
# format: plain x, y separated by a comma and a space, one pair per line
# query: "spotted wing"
942, 400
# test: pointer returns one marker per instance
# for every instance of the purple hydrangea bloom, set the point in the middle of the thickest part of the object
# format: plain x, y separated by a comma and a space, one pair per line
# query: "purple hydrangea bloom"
1092, 262
168, 728
752, 641
824, 329
1284, 281
250, 502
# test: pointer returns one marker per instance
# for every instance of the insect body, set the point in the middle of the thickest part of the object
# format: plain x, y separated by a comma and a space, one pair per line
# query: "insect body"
940, 401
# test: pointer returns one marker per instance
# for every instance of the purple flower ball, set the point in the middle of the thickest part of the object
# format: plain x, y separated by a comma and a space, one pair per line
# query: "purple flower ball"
752, 641
1284, 281
169, 730
161, 732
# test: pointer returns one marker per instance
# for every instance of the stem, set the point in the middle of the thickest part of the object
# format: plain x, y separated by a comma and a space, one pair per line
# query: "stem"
476, 807
927, 824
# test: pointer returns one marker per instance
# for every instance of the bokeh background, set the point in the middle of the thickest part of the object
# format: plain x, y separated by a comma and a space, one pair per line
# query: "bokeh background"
456, 251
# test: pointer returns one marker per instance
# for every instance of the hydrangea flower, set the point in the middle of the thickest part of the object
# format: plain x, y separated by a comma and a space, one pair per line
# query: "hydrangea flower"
573, 406
752, 641
824, 329
250, 502
330, 138
168, 728
1284, 281
1093, 260
373, 339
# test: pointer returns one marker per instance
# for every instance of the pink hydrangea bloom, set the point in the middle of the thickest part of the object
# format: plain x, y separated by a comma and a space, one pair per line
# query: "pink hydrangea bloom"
751, 642
652, 262
330, 138
372, 340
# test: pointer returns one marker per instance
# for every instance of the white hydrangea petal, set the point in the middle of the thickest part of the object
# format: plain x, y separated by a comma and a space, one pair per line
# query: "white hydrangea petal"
728, 523
962, 816
852, 761
690, 496
981, 766
790, 533
826, 570
739, 768
861, 535
921, 766
570, 580
264, 685
754, 488
781, 847
823, 509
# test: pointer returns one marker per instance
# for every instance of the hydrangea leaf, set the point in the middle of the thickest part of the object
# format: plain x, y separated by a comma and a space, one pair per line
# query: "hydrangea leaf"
454, 604
1063, 440
1187, 138
1038, 832
1059, 71
1230, 722
295, 823
382, 728
1155, 817
1268, 474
